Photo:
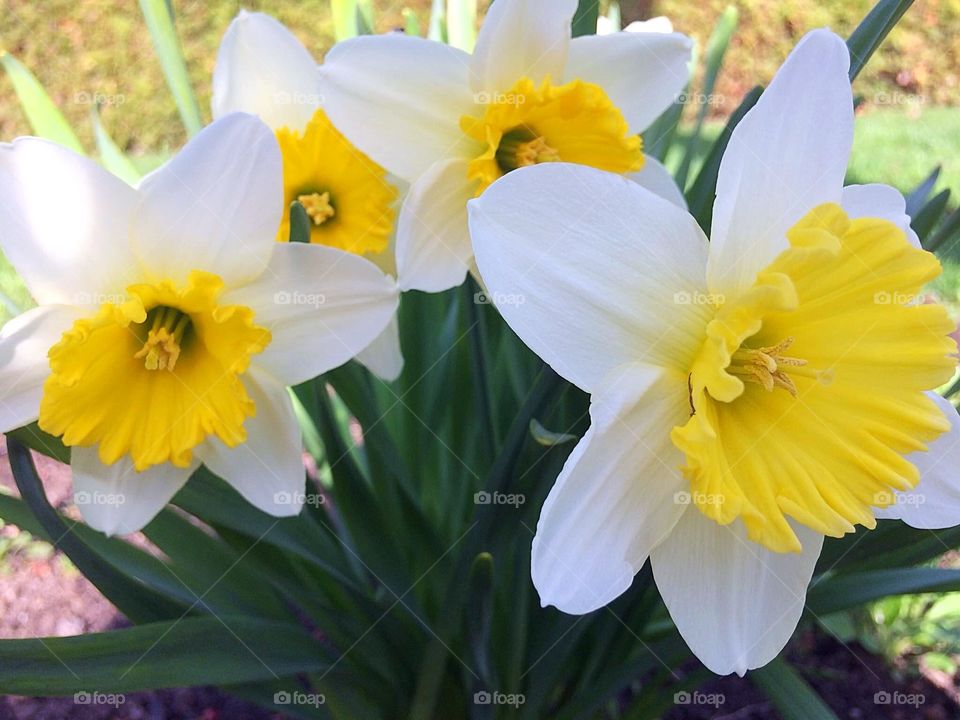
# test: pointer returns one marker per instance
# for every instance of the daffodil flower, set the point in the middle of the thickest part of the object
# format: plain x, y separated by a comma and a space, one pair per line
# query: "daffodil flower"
262, 68
170, 322
750, 395
452, 123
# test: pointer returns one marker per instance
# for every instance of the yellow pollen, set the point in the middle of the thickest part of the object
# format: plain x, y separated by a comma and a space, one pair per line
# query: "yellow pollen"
162, 346
764, 366
318, 207
517, 153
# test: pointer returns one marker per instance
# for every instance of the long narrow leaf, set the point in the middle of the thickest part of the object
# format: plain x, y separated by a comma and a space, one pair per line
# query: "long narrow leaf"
462, 23
43, 115
159, 18
794, 698
856, 588
111, 156
872, 30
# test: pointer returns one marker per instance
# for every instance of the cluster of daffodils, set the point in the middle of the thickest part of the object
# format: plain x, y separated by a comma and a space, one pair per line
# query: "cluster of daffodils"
750, 395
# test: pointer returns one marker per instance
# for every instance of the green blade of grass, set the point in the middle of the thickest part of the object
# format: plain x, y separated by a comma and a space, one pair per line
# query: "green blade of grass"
43, 115
159, 18
111, 156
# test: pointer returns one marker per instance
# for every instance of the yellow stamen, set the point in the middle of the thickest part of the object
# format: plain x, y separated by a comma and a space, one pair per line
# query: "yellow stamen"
162, 346
764, 366
519, 150
318, 207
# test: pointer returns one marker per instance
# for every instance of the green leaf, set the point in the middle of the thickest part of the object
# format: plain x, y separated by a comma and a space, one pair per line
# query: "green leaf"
299, 223
438, 25
703, 190
790, 693
345, 19
851, 589
36, 439
411, 23
943, 239
716, 49
135, 600
111, 157
44, 117
872, 30
189, 651
928, 216
918, 196
158, 15
585, 19
462, 24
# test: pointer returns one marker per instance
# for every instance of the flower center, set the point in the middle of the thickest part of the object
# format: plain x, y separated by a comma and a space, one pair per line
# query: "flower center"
767, 366
320, 164
162, 347
177, 354
855, 370
318, 207
521, 148
575, 122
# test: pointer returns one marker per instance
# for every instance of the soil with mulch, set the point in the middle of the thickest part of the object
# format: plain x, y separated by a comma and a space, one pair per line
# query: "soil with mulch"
44, 596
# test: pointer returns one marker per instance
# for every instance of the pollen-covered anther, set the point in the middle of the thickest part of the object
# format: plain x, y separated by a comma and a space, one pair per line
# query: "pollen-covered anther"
161, 349
534, 152
768, 366
318, 207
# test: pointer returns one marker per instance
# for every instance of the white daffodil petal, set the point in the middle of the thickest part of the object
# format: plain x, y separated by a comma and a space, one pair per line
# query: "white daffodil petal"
116, 499
383, 357
879, 201
262, 68
658, 180
618, 494
215, 206
935, 502
321, 305
65, 223
642, 72
433, 240
735, 603
24, 342
591, 270
399, 99
521, 38
268, 468
788, 155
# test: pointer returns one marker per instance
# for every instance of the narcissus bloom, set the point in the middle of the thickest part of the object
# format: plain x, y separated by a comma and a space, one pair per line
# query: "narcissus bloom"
351, 201
750, 395
452, 123
170, 322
